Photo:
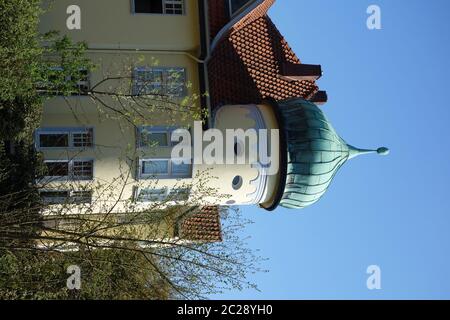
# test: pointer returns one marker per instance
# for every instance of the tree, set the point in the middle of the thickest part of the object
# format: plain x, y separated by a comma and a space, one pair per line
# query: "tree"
113, 250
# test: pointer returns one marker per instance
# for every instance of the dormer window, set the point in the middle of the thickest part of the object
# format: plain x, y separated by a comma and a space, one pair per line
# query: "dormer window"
159, 6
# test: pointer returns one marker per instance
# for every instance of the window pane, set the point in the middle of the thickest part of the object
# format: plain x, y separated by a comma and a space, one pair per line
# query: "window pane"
176, 82
148, 6
82, 139
81, 197
154, 139
149, 82
149, 195
54, 197
160, 81
179, 194
173, 6
57, 169
155, 167
181, 169
54, 140
83, 169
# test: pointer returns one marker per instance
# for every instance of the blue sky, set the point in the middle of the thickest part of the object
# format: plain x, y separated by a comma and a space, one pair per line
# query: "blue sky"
386, 88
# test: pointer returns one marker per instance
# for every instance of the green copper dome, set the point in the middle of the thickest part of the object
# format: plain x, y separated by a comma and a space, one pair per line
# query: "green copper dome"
315, 152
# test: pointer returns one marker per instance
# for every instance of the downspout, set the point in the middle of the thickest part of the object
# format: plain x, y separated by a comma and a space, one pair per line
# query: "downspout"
202, 63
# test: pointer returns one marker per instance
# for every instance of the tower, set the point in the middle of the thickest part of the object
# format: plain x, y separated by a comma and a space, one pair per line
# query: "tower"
307, 154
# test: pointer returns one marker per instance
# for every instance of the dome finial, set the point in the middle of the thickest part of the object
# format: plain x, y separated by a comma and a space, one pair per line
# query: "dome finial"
383, 151
354, 152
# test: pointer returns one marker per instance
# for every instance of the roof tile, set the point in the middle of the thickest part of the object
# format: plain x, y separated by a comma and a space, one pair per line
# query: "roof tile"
245, 65
203, 225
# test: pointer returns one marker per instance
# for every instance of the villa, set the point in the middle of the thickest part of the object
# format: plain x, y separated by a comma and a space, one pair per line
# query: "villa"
222, 58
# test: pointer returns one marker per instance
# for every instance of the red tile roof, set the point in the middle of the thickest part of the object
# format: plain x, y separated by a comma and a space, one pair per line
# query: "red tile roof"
245, 65
203, 225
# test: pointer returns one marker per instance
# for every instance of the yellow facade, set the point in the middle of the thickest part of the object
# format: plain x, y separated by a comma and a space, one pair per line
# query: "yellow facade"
119, 41
111, 24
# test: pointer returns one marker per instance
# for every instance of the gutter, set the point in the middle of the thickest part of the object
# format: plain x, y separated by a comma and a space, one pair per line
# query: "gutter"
130, 50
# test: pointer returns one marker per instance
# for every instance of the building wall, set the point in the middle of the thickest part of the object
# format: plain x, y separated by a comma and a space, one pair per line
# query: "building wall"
258, 186
112, 24
112, 33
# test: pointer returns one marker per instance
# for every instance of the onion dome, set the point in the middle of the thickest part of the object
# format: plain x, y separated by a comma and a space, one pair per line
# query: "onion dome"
315, 152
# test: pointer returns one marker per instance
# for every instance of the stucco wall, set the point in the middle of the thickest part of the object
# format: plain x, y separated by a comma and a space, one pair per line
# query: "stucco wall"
111, 24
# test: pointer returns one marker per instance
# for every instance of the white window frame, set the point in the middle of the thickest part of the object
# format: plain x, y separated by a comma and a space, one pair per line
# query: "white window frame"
69, 131
160, 196
71, 195
164, 195
86, 83
70, 176
138, 85
168, 175
155, 129
164, 3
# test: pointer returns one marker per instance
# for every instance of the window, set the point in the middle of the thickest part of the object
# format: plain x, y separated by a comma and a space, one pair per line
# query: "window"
57, 168
57, 76
54, 197
83, 84
179, 194
64, 138
155, 137
74, 169
82, 139
159, 81
151, 195
163, 168
162, 194
159, 6
80, 197
65, 196
54, 140
237, 182
155, 167
180, 169
82, 170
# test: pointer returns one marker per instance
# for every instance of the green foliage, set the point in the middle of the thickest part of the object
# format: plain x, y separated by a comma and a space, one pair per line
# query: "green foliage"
27, 68
28, 62
105, 274
63, 66
20, 51
34, 67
